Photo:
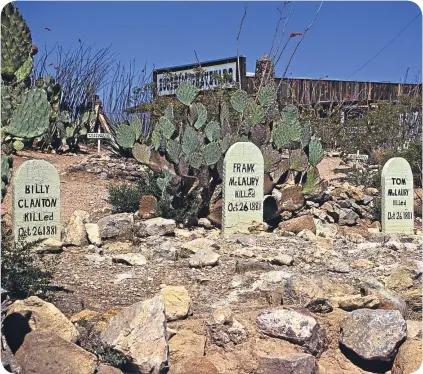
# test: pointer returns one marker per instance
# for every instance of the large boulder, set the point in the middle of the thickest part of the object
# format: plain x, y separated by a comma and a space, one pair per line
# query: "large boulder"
148, 207
373, 334
186, 344
296, 327
197, 365
295, 363
106, 369
156, 226
45, 352
292, 199
298, 224
75, 232
139, 333
34, 314
116, 225
409, 357
177, 302
93, 233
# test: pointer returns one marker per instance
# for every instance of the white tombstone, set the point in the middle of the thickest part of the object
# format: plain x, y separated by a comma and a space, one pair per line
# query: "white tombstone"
36, 202
243, 178
397, 197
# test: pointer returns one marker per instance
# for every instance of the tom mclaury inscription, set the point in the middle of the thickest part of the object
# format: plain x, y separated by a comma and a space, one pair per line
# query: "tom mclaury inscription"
243, 174
36, 202
397, 197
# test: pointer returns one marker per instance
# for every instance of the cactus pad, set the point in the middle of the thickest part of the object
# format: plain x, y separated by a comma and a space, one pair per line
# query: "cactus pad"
212, 153
271, 159
315, 152
155, 140
31, 117
23, 72
190, 141
254, 113
212, 131
169, 113
305, 134
6, 104
18, 145
125, 136
312, 179
141, 153
239, 100
186, 93
201, 117
166, 127
6, 173
16, 42
267, 95
195, 159
136, 126
174, 150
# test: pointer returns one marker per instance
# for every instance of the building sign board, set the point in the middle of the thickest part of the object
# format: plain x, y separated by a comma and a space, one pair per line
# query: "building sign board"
204, 76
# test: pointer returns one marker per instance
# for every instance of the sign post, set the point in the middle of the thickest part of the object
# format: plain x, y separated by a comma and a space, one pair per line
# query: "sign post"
358, 157
99, 136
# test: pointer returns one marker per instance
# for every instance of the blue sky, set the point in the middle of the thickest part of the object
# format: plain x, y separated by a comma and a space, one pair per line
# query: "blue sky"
344, 36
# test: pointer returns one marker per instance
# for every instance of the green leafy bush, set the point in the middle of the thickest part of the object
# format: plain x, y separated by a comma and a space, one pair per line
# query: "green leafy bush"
124, 198
22, 273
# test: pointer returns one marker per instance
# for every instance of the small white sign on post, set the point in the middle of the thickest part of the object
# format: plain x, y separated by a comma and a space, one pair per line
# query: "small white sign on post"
397, 197
99, 136
358, 157
243, 178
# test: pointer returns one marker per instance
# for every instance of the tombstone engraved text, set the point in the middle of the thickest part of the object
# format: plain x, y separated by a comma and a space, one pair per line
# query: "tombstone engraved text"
243, 187
397, 197
36, 202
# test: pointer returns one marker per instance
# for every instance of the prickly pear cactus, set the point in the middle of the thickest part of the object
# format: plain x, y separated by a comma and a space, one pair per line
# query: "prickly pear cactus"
174, 150
267, 95
298, 160
6, 173
136, 126
6, 105
186, 93
239, 100
195, 159
141, 153
31, 117
305, 134
212, 131
190, 141
125, 136
212, 153
16, 44
315, 152
166, 127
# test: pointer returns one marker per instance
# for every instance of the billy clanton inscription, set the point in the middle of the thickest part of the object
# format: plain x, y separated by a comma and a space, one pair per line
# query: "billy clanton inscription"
397, 197
243, 175
36, 202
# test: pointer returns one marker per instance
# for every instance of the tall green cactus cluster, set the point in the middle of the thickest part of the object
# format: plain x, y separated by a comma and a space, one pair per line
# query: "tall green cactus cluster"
25, 111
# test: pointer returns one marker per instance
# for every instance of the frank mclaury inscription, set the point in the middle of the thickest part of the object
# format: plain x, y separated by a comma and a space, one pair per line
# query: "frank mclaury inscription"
36, 202
243, 174
397, 197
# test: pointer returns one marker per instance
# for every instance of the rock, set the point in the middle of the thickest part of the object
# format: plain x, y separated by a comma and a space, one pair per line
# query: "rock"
121, 277
186, 344
307, 234
298, 224
49, 245
282, 259
414, 329
75, 233
139, 332
215, 215
164, 250
193, 246
409, 357
413, 298
256, 228
204, 257
354, 302
197, 365
246, 240
84, 315
34, 314
116, 225
292, 199
118, 246
338, 266
299, 363
148, 207
326, 230
387, 300
177, 302
373, 334
319, 305
156, 226
223, 316
362, 263
93, 233
223, 333
399, 280
347, 217
204, 222
106, 369
355, 237
294, 327
46, 352
133, 259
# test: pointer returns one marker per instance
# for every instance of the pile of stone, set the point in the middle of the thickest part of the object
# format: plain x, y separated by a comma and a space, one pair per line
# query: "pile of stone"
108, 167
